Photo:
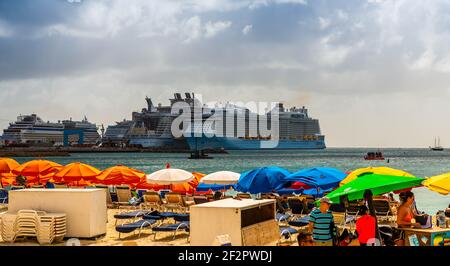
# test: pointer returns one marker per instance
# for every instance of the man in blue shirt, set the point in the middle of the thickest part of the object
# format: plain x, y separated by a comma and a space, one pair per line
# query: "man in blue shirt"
320, 222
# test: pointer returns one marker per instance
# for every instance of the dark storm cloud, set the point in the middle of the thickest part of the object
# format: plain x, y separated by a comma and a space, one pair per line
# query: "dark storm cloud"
351, 61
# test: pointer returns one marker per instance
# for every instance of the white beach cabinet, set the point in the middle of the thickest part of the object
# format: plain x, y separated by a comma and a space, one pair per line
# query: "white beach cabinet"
85, 208
247, 222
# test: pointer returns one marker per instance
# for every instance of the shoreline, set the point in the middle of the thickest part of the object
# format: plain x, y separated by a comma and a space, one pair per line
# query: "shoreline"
67, 151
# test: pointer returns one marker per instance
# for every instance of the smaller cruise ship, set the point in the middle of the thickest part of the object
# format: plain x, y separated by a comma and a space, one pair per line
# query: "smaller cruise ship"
31, 130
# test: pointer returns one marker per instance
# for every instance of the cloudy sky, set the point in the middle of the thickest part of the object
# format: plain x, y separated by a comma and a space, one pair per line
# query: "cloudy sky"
375, 72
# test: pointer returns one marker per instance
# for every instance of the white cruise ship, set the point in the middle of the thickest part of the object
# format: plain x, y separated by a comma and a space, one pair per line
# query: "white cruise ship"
31, 130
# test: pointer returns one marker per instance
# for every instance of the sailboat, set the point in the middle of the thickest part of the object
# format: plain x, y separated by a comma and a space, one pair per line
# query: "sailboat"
437, 145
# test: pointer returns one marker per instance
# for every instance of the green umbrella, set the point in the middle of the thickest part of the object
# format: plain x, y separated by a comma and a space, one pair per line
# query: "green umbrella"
378, 184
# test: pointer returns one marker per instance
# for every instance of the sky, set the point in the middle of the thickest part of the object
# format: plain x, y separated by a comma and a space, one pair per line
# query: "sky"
375, 72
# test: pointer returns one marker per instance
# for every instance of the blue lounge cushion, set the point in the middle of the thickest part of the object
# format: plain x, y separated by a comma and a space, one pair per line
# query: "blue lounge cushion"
129, 215
128, 228
283, 217
172, 227
156, 215
182, 217
300, 222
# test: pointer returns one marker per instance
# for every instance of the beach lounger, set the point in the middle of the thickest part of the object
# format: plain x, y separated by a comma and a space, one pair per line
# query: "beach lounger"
300, 222
286, 232
152, 200
175, 201
156, 215
175, 228
283, 218
61, 185
124, 196
3, 196
140, 194
383, 210
297, 206
129, 215
132, 227
200, 199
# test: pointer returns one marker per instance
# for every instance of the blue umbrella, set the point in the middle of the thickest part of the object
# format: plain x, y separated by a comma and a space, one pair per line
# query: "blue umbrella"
262, 180
207, 187
320, 177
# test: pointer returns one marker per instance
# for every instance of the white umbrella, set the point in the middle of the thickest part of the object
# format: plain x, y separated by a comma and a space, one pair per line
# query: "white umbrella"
170, 176
221, 178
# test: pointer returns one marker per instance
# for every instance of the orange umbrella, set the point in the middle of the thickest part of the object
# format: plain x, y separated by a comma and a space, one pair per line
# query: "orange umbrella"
37, 168
7, 165
75, 172
188, 187
118, 175
80, 183
7, 179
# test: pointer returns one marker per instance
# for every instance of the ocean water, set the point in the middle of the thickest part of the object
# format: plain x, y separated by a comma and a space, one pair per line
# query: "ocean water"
419, 162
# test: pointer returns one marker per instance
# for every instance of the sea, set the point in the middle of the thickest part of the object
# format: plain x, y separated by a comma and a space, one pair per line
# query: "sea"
419, 162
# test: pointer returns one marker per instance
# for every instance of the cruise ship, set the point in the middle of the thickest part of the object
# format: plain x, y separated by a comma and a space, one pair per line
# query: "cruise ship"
31, 130
117, 135
296, 130
151, 128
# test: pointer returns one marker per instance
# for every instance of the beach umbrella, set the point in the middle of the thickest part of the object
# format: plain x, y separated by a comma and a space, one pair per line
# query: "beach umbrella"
299, 185
118, 175
8, 179
318, 177
76, 172
6, 166
170, 176
188, 187
439, 183
37, 169
203, 187
378, 184
262, 180
221, 178
80, 183
373, 170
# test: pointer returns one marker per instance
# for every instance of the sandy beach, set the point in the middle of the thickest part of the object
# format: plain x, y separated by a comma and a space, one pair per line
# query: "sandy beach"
112, 237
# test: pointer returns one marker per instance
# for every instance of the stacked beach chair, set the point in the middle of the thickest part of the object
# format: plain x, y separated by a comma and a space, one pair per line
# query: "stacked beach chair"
7, 230
52, 227
46, 227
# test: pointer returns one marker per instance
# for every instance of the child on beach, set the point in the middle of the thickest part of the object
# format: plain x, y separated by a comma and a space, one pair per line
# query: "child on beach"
365, 226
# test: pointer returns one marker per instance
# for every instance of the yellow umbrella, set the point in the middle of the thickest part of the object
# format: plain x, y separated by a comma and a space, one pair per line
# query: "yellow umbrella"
373, 170
439, 183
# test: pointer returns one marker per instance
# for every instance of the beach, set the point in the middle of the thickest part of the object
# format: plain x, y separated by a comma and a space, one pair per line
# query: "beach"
418, 162
112, 237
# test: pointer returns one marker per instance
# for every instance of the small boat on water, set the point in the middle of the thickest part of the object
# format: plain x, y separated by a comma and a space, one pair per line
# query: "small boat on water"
437, 145
370, 156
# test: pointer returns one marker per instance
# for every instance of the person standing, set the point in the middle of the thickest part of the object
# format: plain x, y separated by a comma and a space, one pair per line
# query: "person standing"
321, 223
365, 226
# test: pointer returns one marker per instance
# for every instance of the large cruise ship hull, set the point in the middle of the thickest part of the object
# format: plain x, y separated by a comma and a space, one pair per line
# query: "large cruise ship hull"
202, 143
